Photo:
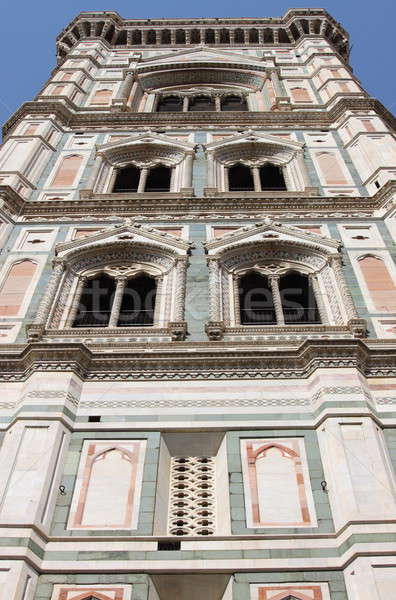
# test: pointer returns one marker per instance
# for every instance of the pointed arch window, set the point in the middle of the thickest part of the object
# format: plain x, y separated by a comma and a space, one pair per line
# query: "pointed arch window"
134, 179
255, 300
107, 301
233, 103
240, 178
272, 178
201, 103
170, 104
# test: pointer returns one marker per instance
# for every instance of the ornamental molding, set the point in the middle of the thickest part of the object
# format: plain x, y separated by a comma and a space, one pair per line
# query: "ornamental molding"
201, 73
80, 118
202, 52
134, 235
272, 233
212, 360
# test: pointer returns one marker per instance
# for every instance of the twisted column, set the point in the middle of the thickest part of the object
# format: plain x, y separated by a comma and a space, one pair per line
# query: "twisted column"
256, 179
142, 180
181, 278
276, 298
336, 264
214, 290
116, 306
49, 294
76, 300
313, 277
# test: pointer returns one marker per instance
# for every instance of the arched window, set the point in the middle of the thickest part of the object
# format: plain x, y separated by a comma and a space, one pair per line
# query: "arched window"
180, 36
233, 103
253, 36
271, 178
127, 180
298, 299
96, 302
239, 36
201, 103
159, 179
15, 286
133, 179
209, 36
151, 37
138, 302
165, 36
67, 171
255, 300
195, 36
224, 36
136, 37
170, 104
240, 178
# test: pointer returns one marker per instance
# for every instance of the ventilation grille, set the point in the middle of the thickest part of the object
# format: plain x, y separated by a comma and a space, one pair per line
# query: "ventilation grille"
192, 496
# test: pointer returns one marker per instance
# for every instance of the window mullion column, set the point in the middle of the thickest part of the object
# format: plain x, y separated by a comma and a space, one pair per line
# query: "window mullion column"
319, 299
276, 298
116, 306
185, 103
256, 179
76, 301
142, 180
217, 103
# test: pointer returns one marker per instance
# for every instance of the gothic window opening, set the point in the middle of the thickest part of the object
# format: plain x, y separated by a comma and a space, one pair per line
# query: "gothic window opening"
138, 302
195, 36
165, 37
224, 36
255, 300
233, 103
209, 36
127, 180
133, 179
271, 178
158, 179
239, 36
240, 178
298, 299
201, 103
96, 302
192, 496
253, 36
170, 104
180, 36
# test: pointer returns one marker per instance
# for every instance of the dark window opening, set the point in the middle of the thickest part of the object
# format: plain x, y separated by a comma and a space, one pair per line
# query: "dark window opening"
233, 103
224, 36
136, 37
180, 36
271, 178
283, 37
121, 39
158, 179
166, 37
195, 36
94, 419
298, 299
170, 104
209, 36
168, 546
240, 179
253, 36
377, 185
127, 180
268, 36
96, 301
239, 36
255, 300
151, 37
201, 103
138, 302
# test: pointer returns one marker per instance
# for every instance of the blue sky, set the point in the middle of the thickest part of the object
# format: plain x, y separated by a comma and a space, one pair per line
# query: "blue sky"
28, 30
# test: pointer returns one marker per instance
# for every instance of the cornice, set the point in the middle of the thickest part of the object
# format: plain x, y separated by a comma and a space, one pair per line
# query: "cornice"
189, 360
90, 119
